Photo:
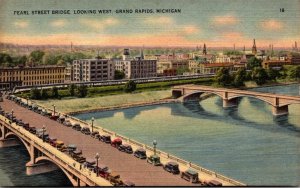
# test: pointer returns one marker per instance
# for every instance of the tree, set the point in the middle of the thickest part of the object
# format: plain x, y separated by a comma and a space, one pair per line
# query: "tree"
240, 77
273, 74
54, 92
119, 75
253, 62
130, 86
180, 71
44, 94
259, 75
72, 89
37, 56
223, 77
294, 72
5, 59
35, 93
82, 91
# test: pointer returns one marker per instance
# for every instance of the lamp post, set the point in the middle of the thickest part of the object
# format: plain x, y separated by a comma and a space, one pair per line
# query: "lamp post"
12, 115
53, 109
27, 100
93, 124
97, 158
154, 146
44, 128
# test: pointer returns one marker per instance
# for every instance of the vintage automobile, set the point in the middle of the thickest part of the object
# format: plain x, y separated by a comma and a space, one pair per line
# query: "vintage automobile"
76, 127
52, 141
77, 156
140, 153
32, 130
172, 167
86, 130
128, 183
34, 108
213, 183
67, 123
60, 145
116, 142
46, 113
89, 163
114, 179
39, 111
61, 119
125, 148
25, 126
71, 148
19, 122
2, 112
190, 175
94, 134
105, 138
103, 170
154, 159
54, 117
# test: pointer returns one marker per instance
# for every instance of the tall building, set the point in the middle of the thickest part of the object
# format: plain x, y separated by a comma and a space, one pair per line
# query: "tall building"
254, 50
30, 76
85, 70
137, 67
204, 52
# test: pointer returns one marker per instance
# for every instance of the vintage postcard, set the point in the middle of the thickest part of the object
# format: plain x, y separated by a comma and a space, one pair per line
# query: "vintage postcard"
149, 93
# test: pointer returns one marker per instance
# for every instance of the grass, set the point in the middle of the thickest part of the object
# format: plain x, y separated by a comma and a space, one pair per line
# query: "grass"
69, 104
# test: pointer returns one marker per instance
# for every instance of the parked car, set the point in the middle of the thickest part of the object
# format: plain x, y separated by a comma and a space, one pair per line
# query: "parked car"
61, 119
140, 153
86, 130
190, 175
103, 170
172, 167
32, 130
116, 142
114, 179
154, 159
77, 156
60, 145
127, 183
71, 148
52, 141
46, 113
125, 148
214, 183
105, 138
89, 163
39, 111
67, 123
76, 127
54, 117
94, 133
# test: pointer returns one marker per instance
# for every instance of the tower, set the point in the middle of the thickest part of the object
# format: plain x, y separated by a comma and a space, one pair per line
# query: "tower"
244, 50
126, 54
204, 49
254, 50
142, 53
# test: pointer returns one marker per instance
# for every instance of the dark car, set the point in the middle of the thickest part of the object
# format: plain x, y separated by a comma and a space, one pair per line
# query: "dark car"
172, 167
89, 163
214, 183
190, 175
103, 170
125, 148
86, 130
71, 148
32, 130
61, 119
94, 134
76, 127
39, 111
105, 138
54, 117
140, 153
154, 159
116, 142
67, 123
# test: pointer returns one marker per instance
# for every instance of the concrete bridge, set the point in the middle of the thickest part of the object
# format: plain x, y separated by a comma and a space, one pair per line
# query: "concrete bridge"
230, 97
45, 158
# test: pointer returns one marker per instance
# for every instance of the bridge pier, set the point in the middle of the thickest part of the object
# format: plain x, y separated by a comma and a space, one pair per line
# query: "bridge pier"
280, 111
227, 103
8, 142
39, 168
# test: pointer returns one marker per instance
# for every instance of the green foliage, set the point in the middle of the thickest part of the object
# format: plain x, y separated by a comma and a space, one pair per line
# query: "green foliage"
5, 59
294, 72
273, 74
44, 94
253, 62
82, 91
240, 77
119, 75
72, 89
130, 86
259, 75
54, 92
233, 52
223, 77
180, 71
35, 93
37, 56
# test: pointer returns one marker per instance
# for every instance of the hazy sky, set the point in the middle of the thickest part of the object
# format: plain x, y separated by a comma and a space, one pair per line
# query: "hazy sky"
215, 22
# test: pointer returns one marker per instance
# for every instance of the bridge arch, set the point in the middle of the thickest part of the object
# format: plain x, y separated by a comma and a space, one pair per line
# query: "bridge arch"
45, 158
12, 134
197, 94
254, 97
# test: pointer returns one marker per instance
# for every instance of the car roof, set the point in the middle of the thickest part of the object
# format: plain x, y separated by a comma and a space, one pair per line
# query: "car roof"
141, 150
172, 163
192, 172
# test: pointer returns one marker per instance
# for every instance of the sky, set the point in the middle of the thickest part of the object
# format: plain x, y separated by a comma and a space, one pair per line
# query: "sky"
218, 23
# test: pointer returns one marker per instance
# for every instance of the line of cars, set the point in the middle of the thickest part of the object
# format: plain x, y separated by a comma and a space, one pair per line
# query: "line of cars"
171, 167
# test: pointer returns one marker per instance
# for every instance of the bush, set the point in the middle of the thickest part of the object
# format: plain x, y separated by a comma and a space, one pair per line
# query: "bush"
130, 86
35, 93
82, 91
54, 92
72, 89
44, 94
259, 75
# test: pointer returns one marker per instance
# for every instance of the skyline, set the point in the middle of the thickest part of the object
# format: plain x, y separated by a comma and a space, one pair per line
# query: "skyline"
216, 23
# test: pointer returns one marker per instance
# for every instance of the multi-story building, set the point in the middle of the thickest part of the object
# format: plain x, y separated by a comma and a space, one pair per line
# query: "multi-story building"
30, 76
136, 67
85, 70
69, 73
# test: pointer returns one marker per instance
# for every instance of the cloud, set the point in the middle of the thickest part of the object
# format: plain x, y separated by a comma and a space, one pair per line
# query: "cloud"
163, 20
21, 24
58, 23
190, 29
225, 20
99, 24
271, 25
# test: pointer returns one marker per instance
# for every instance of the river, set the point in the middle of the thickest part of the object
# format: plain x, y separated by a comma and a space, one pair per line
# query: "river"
245, 143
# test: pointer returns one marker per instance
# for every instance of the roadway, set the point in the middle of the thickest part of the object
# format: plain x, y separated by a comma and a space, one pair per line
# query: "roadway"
129, 167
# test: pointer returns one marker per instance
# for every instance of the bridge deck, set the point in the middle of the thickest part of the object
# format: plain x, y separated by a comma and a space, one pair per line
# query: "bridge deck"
129, 167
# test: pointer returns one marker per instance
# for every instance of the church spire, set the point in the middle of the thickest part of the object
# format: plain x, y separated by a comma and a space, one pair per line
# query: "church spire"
142, 53
254, 50
204, 49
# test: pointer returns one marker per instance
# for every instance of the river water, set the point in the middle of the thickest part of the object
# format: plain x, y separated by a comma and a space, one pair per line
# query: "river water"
246, 143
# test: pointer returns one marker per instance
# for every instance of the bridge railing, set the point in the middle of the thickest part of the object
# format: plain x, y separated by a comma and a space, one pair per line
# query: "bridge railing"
137, 144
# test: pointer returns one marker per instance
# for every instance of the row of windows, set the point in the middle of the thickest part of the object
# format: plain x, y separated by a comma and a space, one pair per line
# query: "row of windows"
6, 79
44, 71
